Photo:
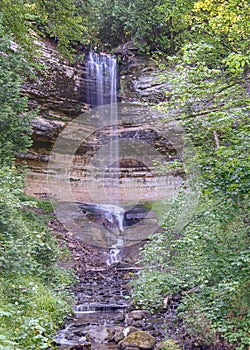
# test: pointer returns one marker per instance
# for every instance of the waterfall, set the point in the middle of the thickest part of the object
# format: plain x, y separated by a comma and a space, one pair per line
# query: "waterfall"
101, 73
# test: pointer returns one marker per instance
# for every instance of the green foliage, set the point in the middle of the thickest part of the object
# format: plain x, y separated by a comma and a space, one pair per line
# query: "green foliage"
207, 260
157, 25
32, 297
153, 25
65, 21
203, 254
45, 205
213, 107
14, 116
224, 24
164, 25
30, 313
109, 23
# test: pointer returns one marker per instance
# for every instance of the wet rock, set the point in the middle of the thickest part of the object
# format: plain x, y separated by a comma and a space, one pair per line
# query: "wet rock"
141, 81
58, 94
128, 330
86, 346
156, 333
140, 339
128, 320
59, 91
119, 334
99, 334
137, 314
49, 129
79, 331
139, 323
120, 317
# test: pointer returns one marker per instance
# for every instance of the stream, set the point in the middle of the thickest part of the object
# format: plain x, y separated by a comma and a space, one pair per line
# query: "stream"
103, 314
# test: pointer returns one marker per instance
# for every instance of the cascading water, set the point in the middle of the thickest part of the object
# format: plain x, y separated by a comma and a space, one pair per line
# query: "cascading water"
101, 80
114, 256
101, 70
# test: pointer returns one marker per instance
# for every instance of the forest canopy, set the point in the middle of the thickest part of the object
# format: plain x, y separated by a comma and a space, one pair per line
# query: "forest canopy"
159, 25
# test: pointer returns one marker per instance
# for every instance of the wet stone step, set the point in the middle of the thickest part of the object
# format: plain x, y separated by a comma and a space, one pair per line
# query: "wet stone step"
91, 301
99, 317
110, 346
91, 307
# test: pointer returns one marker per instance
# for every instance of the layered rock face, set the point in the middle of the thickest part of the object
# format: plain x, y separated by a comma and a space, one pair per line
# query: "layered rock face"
57, 93
58, 90
64, 119
141, 81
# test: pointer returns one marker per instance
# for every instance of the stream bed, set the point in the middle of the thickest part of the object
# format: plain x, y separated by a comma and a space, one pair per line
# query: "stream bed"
103, 314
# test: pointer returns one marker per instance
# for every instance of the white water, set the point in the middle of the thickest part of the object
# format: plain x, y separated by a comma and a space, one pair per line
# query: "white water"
102, 90
114, 256
102, 79
114, 212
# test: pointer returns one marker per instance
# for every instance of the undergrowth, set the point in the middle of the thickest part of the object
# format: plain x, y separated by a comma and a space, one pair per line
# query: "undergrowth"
33, 289
205, 259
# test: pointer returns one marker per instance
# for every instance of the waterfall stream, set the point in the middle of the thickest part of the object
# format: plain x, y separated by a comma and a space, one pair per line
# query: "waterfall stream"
102, 90
102, 79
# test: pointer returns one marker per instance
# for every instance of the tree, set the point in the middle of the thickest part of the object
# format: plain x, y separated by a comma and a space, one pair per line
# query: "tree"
213, 105
15, 126
204, 255
109, 23
225, 22
151, 25
65, 21
159, 25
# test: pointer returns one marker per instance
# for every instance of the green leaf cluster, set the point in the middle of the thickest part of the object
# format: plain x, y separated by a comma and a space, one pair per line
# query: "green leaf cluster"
15, 118
213, 107
33, 300
151, 25
203, 255
205, 259
64, 21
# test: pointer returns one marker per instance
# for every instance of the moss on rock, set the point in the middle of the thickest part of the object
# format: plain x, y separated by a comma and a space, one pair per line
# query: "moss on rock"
140, 339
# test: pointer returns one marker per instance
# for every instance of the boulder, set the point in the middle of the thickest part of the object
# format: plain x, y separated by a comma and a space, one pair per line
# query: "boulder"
137, 314
139, 339
119, 334
99, 334
139, 323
